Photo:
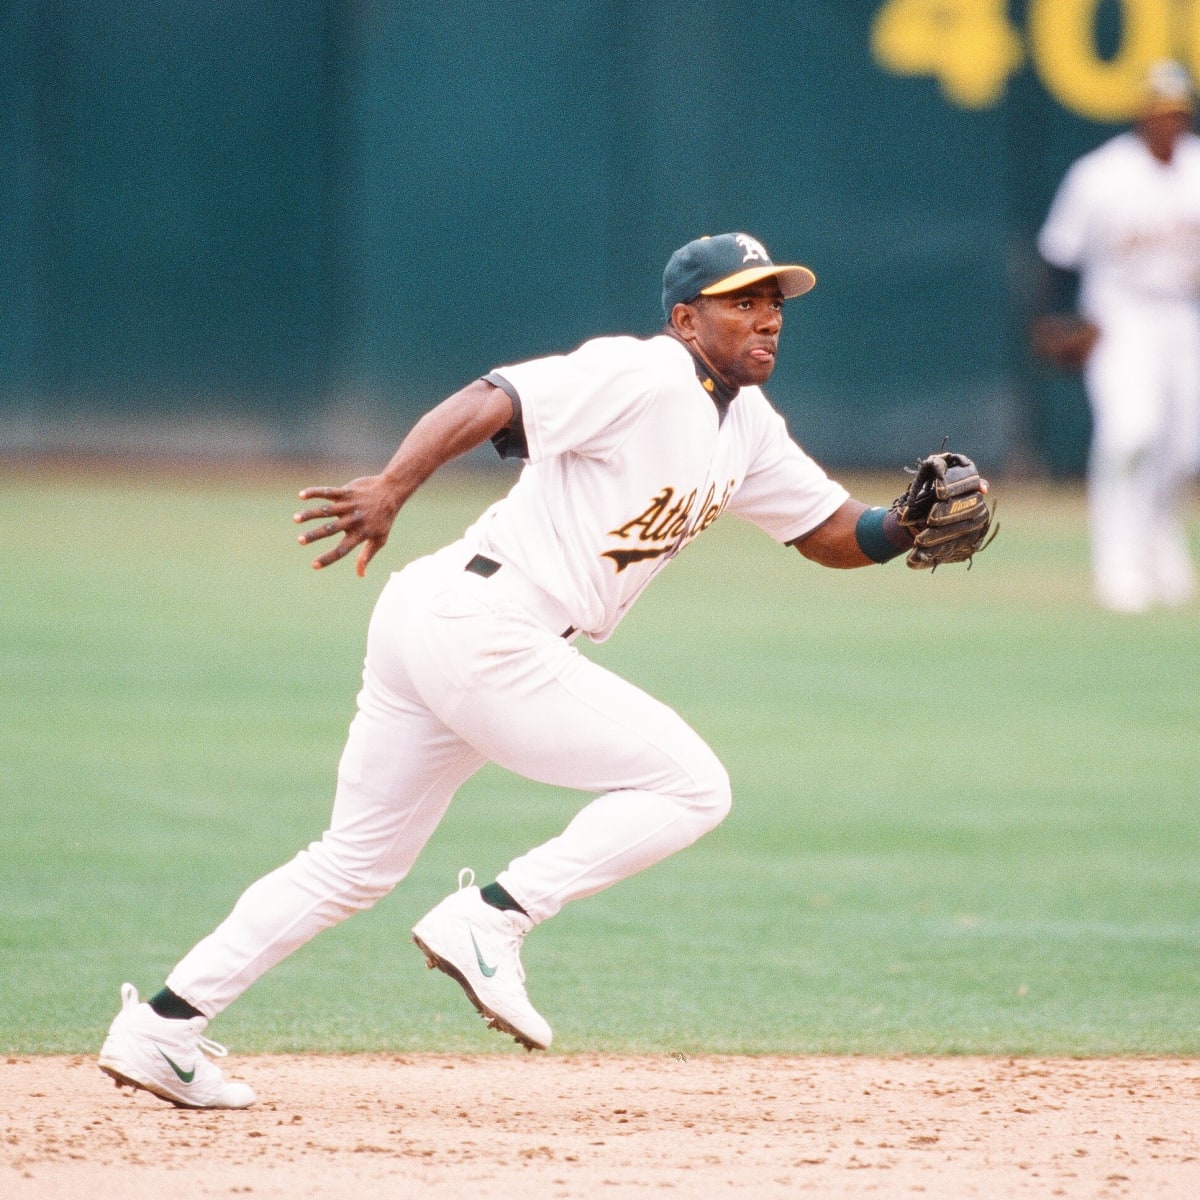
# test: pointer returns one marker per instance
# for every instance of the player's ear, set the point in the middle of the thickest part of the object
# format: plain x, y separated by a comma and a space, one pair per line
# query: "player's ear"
683, 318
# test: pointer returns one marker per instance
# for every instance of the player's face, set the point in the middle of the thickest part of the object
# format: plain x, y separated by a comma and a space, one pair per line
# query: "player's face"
738, 333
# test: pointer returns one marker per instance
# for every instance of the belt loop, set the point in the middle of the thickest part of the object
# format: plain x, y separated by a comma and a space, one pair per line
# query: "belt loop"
515, 584
479, 565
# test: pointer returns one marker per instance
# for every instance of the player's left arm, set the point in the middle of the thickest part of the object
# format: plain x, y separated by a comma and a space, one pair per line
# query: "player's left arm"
839, 540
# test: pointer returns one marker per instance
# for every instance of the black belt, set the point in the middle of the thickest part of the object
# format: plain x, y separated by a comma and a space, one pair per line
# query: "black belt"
487, 567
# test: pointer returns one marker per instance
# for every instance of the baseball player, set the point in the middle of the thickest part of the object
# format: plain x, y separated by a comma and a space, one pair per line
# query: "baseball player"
632, 448
1126, 220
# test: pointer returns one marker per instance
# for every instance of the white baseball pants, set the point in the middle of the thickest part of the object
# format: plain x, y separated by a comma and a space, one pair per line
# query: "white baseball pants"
461, 670
1143, 383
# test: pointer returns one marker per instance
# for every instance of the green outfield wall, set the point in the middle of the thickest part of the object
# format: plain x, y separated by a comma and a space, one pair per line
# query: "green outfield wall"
234, 227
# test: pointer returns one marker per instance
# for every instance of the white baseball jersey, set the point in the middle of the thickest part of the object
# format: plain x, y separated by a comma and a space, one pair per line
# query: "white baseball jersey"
628, 460
1130, 224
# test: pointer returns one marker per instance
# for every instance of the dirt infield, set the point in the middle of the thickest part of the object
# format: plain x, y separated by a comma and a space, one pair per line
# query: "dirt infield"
561, 1126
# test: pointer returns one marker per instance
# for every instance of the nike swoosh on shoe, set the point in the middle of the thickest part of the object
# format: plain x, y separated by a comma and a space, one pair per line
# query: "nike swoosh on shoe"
184, 1076
486, 969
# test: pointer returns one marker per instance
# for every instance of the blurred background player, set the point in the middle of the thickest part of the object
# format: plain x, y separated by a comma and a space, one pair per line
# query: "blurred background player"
1124, 228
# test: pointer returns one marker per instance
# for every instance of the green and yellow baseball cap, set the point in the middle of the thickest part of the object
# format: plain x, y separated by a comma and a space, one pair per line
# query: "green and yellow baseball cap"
1167, 89
711, 266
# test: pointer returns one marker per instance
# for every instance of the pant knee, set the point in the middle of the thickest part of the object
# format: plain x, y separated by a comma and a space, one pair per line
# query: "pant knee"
356, 880
712, 797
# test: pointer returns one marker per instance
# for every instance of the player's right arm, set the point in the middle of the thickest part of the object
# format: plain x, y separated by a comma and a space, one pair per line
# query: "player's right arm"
363, 510
1056, 333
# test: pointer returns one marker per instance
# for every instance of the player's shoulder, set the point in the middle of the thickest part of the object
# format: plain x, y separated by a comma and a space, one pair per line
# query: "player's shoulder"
1188, 148
1090, 178
625, 351
1114, 152
612, 343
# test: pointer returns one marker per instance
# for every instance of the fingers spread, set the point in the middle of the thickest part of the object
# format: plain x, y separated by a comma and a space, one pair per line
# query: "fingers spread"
323, 493
361, 512
323, 531
339, 551
326, 510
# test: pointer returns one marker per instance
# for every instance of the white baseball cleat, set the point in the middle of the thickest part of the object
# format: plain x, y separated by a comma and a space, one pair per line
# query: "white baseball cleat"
480, 947
167, 1057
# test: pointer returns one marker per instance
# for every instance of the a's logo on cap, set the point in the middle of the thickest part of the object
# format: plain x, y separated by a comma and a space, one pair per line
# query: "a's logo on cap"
754, 250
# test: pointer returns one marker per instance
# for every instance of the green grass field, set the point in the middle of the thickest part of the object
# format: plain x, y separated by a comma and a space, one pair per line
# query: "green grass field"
965, 814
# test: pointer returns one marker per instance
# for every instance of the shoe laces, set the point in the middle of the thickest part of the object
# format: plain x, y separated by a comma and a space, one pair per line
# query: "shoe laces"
197, 1039
508, 928
211, 1048
512, 938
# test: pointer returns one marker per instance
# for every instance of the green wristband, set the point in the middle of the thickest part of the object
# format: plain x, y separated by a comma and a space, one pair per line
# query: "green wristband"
871, 538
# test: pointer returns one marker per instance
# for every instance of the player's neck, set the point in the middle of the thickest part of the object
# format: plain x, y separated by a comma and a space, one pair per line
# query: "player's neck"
722, 393
1161, 146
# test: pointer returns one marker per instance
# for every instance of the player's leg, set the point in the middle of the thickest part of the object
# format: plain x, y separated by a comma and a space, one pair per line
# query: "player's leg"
533, 704
1126, 400
398, 771
661, 787
1176, 458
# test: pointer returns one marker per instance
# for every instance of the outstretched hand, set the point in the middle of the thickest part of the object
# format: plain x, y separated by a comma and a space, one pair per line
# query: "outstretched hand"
362, 511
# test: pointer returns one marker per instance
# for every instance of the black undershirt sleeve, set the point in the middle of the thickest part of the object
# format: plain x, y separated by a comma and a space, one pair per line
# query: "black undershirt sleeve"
510, 441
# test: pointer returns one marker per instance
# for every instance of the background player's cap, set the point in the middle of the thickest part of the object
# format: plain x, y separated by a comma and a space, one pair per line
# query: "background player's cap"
1167, 89
710, 266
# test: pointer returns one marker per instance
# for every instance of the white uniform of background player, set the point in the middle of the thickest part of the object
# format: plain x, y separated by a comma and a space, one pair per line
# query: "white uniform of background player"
632, 447
1129, 222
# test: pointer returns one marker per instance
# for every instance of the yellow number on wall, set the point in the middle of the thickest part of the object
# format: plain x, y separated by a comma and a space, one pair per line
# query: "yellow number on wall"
1063, 46
969, 46
1187, 35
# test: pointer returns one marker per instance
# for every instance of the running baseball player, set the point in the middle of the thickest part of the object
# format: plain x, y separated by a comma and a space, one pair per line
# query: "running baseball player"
632, 448
1126, 221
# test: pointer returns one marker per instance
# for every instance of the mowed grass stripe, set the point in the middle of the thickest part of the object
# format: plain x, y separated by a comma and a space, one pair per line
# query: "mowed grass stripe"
965, 804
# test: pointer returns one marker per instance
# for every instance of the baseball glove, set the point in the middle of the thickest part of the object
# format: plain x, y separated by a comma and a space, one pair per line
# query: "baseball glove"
1064, 340
945, 511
